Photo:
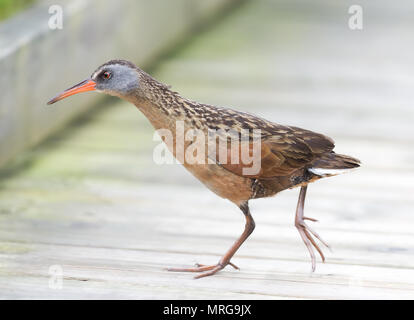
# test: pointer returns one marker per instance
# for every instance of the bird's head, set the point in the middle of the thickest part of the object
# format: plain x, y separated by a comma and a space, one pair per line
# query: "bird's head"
117, 78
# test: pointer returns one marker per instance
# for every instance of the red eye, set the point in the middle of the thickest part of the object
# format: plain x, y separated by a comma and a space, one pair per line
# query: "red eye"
106, 75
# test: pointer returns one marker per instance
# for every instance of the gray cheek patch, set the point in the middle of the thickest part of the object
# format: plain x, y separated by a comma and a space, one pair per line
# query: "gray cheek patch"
123, 81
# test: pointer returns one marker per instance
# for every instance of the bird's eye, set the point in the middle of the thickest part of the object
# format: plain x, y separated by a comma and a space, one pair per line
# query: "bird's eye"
106, 75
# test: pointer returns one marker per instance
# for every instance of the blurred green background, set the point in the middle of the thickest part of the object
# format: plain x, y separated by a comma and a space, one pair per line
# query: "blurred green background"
91, 199
10, 7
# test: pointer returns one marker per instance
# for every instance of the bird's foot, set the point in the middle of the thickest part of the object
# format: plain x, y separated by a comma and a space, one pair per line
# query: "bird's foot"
207, 270
306, 233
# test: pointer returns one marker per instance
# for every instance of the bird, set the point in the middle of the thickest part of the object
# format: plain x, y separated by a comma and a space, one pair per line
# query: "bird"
289, 156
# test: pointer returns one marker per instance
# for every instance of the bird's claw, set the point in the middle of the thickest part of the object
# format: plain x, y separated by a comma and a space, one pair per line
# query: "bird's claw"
207, 270
229, 263
306, 234
310, 219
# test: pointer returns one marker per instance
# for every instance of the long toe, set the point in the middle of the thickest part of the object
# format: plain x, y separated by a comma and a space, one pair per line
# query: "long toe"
197, 268
306, 234
216, 269
230, 264
208, 270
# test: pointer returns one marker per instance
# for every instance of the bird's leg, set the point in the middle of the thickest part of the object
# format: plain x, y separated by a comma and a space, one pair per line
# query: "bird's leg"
225, 260
305, 231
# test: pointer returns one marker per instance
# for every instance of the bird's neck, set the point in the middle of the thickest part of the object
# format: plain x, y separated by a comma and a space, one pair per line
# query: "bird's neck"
167, 110
164, 110
162, 106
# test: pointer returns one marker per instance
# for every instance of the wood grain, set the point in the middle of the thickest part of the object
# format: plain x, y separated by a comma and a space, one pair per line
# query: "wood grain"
92, 201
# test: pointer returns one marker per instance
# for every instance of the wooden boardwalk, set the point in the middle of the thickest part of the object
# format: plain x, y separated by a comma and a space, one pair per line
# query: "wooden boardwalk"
91, 203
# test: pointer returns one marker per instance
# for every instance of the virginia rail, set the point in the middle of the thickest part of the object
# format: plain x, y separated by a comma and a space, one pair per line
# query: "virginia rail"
289, 156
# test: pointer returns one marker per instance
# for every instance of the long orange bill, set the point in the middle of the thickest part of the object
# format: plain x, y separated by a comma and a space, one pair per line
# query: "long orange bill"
86, 85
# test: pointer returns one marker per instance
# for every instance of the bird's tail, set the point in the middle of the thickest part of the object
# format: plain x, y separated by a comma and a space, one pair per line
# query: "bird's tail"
332, 164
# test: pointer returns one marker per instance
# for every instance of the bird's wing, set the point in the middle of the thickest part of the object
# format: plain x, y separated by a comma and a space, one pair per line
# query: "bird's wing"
281, 151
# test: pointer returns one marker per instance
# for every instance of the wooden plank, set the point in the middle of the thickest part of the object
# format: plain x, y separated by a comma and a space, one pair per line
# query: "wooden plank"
92, 201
